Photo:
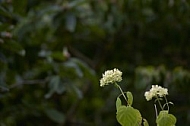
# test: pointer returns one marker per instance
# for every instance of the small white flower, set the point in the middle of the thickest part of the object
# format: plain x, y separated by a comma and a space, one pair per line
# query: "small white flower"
111, 76
155, 91
148, 95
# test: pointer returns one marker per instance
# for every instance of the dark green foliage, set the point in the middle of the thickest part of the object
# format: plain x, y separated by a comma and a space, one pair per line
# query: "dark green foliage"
52, 54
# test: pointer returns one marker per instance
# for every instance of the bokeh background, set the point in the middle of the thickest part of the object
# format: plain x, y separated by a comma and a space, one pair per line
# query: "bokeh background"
53, 53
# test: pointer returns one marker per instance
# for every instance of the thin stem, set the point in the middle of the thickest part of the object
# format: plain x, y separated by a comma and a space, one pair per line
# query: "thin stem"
166, 102
121, 92
159, 103
156, 111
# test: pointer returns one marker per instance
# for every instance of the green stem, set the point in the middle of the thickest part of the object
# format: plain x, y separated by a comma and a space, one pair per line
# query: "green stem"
166, 102
121, 92
156, 111
159, 103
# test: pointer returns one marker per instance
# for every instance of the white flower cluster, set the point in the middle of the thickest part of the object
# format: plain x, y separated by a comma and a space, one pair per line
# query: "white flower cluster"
155, 91
110, 76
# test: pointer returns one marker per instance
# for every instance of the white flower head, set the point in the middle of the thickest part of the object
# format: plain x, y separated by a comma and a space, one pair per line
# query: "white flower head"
155, 91
148, 95
111, 76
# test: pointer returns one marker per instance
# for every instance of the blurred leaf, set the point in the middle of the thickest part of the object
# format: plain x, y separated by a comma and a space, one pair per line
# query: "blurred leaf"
2, 59
76, 3
77, 91
71, 22
61, 88
4, 12
72, 63
87, 71
14, 47
58, 56
20, 7
3, 89
143, 78
55, 115
148, 12
4, 26
55, 86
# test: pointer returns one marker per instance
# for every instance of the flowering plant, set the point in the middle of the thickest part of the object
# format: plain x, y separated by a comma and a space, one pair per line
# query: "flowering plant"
129, 116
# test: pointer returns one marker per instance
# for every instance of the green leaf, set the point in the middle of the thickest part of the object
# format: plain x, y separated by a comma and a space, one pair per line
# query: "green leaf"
4, 12
55, 85
58, 56
165, 119
55, 115
77, 91
76, 3
72, 63
118, 103
130, 98
71, 22
3, 89
145, 123
20, 7
128, 116
14, 46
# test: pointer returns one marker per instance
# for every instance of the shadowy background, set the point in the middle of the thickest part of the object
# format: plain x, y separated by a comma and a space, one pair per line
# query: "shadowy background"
53, 53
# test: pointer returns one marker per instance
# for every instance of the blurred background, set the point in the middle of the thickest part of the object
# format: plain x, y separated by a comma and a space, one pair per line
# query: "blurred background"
53, 53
